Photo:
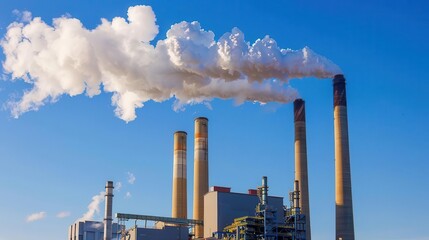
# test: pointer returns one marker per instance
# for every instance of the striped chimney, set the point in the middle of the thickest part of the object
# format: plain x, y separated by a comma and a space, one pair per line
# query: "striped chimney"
201, 171
179, 200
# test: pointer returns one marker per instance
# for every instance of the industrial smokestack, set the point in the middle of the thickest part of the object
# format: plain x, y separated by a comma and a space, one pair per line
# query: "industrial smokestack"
296, 197
179, 202
108, 211
264, 192
301, 172
201, 171
343, 184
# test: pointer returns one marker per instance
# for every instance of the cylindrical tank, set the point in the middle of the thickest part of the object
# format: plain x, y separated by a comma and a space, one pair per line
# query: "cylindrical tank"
179, 198
301, 171
343, 186
201, 171
108, 211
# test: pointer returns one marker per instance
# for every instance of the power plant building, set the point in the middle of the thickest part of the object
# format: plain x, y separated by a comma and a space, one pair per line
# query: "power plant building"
221, 207
90, 230
219, 213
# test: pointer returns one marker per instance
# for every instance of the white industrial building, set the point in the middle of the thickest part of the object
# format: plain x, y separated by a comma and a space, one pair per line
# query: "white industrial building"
90, 230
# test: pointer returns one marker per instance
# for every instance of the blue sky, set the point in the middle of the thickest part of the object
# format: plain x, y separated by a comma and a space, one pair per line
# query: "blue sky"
56, 159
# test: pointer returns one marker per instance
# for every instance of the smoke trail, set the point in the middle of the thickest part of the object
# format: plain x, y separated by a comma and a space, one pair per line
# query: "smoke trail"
93, 207
118, 57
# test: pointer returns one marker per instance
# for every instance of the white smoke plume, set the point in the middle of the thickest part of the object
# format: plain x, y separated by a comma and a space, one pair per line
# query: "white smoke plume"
118, 57
93, 207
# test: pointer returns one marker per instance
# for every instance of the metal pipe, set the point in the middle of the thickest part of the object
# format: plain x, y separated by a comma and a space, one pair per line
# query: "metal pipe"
108, 211
264, 191
301, 170
201, 171
179, 199
296, 197
343, 186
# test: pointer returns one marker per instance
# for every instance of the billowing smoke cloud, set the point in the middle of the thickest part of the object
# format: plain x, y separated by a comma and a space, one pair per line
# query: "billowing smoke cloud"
118, 57
93, 207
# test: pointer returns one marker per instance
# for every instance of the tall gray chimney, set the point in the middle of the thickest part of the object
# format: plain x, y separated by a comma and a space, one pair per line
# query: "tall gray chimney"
108, 211
301, 172
343, 183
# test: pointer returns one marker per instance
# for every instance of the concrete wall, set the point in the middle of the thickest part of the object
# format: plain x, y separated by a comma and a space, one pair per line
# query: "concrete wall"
221, 208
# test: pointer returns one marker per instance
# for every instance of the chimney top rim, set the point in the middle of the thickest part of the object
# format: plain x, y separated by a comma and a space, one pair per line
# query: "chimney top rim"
338, 78
181, 132
201, 118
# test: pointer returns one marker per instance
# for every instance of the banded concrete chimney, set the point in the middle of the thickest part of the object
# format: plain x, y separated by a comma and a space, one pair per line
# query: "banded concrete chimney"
343, 185
179, 202
108, 211
301, 172
201, 171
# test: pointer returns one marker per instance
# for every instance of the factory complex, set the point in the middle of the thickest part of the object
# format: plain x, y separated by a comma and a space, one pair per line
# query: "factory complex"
219, 213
